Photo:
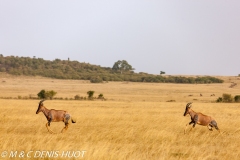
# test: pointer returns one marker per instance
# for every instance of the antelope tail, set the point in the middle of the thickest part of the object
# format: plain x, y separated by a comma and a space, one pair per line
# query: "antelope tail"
73, 120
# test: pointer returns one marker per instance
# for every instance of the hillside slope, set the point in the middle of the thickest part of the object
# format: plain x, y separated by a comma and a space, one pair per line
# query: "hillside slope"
66, 69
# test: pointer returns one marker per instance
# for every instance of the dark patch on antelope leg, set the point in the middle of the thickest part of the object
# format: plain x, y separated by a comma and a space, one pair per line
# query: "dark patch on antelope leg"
66, 119
195, 119
213, 123
191, 122
49, 119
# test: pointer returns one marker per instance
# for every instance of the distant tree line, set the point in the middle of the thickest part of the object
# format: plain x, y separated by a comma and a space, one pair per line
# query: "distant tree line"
66, 69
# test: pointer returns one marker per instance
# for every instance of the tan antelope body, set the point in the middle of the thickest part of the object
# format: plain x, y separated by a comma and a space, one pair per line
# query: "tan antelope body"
199, 118
53, 115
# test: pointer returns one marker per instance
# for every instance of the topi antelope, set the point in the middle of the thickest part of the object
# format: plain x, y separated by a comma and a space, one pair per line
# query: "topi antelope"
199, 118
53, 115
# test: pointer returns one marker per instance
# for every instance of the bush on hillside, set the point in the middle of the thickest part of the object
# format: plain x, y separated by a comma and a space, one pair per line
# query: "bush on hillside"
46, 94
237, 98
227, 98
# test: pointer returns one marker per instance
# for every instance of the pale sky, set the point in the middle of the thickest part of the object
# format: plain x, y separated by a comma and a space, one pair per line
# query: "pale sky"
179, 37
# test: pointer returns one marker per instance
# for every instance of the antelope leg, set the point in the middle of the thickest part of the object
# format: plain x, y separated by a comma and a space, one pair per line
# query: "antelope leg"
49, 130
185, 128
191, 129
65, 128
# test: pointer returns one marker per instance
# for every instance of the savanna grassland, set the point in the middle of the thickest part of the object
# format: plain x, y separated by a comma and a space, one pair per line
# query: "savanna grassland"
135, 122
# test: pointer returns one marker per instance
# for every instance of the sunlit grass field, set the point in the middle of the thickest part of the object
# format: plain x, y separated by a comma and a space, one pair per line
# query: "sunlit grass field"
135, 122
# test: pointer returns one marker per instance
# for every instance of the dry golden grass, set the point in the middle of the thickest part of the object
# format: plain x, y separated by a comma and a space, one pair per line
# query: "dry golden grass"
135, 122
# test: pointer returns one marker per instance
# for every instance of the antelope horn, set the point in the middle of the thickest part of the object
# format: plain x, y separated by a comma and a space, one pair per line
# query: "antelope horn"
41, 101
189, 105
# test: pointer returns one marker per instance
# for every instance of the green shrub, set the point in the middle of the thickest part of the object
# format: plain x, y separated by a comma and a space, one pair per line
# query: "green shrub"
46, 94
50, 94
77, 97
227, 97
100, 96
237, 98
219, 99
42, 94
90, 94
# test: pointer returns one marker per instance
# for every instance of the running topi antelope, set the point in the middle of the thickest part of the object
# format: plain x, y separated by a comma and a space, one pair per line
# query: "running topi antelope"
53, 115
199, 118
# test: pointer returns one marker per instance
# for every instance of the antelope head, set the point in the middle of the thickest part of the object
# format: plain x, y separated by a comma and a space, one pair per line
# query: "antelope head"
40, 106
188, 106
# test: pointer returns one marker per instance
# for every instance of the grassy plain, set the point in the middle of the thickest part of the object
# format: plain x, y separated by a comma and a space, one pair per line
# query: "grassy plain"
135, 122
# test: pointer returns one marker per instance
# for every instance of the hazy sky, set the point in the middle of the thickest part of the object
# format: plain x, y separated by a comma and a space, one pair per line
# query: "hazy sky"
179, 37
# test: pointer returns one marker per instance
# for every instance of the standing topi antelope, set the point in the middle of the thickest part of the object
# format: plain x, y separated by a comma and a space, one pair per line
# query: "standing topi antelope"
53, 115
199, 118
